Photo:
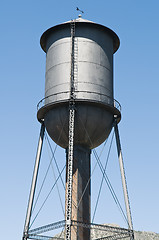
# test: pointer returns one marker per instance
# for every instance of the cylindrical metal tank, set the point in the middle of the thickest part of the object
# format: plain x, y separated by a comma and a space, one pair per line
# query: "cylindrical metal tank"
93, 75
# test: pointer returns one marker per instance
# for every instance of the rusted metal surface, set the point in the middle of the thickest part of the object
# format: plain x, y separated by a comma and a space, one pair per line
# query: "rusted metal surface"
80, 192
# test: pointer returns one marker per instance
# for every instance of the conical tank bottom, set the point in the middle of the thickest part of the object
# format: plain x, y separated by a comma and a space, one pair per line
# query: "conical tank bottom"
93, 124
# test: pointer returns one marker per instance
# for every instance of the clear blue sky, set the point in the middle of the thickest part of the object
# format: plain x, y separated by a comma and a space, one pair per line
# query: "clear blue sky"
136, 86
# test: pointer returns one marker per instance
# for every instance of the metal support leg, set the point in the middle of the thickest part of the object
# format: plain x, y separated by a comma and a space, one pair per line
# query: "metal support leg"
125, 190
33, 185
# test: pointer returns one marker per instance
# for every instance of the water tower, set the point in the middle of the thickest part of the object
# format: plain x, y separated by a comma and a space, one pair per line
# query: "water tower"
78, 112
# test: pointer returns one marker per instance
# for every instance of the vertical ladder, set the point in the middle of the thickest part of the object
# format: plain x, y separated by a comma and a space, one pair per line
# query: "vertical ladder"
75, 62
71, 137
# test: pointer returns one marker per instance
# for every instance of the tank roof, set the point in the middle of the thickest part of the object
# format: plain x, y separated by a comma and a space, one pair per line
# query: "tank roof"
80, 21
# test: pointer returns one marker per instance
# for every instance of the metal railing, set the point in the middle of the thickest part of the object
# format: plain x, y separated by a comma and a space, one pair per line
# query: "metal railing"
54, 98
